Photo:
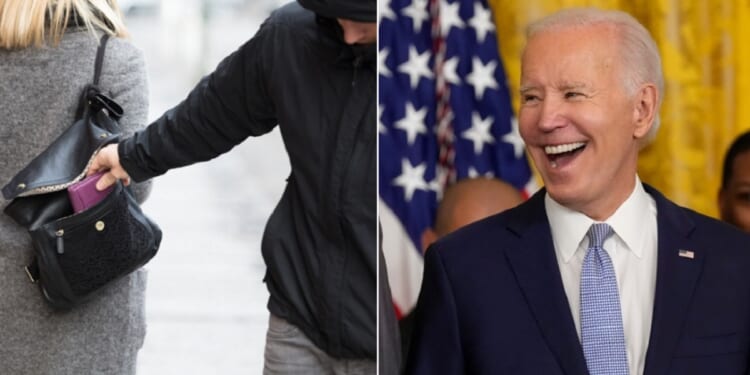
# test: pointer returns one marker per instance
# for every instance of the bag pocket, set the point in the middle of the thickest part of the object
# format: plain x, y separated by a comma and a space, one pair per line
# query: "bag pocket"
80, 254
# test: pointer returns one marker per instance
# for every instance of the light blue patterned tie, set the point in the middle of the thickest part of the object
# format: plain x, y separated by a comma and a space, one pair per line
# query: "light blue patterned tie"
602, 335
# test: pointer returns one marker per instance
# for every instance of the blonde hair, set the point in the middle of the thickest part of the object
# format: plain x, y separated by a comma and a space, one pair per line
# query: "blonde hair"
24, 23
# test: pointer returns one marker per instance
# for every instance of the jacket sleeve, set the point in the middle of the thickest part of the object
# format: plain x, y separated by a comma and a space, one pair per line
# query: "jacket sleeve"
124, 79
226, 107
435, 343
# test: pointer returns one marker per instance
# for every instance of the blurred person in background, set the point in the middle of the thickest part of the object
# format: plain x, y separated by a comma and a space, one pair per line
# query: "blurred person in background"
734, 194
47, 54
467, 201
310, 69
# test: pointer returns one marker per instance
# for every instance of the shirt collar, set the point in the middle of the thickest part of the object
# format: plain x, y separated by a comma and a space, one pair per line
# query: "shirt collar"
569, 227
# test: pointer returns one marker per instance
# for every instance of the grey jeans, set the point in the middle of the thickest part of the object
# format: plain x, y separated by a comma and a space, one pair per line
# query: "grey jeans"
289, 351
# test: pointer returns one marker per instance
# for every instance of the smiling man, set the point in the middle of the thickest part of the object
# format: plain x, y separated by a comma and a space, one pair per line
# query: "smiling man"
597, 273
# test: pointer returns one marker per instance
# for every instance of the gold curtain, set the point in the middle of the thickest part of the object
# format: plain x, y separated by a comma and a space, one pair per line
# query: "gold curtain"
705, 49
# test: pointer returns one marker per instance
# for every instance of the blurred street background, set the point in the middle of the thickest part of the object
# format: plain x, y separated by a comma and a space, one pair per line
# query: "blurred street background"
206, 301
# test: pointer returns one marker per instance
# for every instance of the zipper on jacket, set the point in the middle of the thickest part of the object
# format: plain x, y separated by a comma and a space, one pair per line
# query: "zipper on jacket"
357, 63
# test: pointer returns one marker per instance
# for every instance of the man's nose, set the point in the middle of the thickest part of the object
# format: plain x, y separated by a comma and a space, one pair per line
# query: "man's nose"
553, 115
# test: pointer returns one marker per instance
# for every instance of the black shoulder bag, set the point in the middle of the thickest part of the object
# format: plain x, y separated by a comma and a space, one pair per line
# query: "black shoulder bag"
76, 255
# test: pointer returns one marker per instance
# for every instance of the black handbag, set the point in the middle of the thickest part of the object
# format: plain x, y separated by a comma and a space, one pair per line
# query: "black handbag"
77, 254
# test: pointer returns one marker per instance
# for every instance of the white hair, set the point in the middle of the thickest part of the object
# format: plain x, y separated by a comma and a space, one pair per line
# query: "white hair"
639, 53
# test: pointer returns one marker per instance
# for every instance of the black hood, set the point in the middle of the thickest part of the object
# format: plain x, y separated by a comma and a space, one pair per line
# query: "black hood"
355, 10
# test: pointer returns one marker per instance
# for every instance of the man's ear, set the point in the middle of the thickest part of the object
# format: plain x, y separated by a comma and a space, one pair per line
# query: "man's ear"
645, 109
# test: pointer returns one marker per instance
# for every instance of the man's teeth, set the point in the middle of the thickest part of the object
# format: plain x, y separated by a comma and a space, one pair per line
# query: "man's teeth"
559, 149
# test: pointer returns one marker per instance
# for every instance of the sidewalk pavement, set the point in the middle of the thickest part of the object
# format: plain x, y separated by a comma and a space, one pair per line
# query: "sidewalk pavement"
206, 302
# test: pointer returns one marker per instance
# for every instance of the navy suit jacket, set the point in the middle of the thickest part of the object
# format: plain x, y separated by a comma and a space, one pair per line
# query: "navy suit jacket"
492, 299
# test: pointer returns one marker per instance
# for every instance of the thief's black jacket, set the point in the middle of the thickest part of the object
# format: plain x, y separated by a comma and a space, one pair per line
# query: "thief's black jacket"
319, 243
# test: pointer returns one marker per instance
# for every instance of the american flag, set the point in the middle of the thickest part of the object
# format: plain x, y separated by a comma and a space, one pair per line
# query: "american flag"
444, 114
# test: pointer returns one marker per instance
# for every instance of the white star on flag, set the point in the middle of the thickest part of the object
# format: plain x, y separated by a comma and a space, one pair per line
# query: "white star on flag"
436, 184
479, 132
386, 11
482, 76
417, 11
411, 178
449, 71
417, 66
412, 122
514, 138
482, 21
449, 17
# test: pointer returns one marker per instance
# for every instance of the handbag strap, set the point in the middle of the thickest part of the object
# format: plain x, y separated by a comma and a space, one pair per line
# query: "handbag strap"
100, 58
93, 89
32, 270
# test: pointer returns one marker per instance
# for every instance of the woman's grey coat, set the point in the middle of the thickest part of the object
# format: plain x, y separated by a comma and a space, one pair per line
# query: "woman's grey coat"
39, 91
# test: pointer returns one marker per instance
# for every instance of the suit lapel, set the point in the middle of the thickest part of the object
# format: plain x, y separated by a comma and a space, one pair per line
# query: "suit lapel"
676, 278
535, 267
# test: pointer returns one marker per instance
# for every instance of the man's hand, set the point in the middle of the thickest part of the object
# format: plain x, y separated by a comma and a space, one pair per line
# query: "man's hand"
108, 159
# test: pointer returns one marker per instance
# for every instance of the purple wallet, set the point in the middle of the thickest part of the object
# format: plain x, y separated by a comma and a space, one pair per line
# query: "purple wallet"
83, 194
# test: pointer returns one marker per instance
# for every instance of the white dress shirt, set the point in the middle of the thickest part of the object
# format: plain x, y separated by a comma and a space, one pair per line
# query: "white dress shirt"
633, 250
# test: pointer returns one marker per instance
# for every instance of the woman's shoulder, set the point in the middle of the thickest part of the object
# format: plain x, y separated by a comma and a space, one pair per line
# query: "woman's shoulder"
81, 40
122, 48
120, 56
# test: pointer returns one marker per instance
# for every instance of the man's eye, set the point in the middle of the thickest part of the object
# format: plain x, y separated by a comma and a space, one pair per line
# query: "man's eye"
572, 94
744, 196
530, 98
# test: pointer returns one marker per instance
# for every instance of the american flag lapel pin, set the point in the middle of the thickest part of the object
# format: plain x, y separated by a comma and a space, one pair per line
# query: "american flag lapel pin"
686, 254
